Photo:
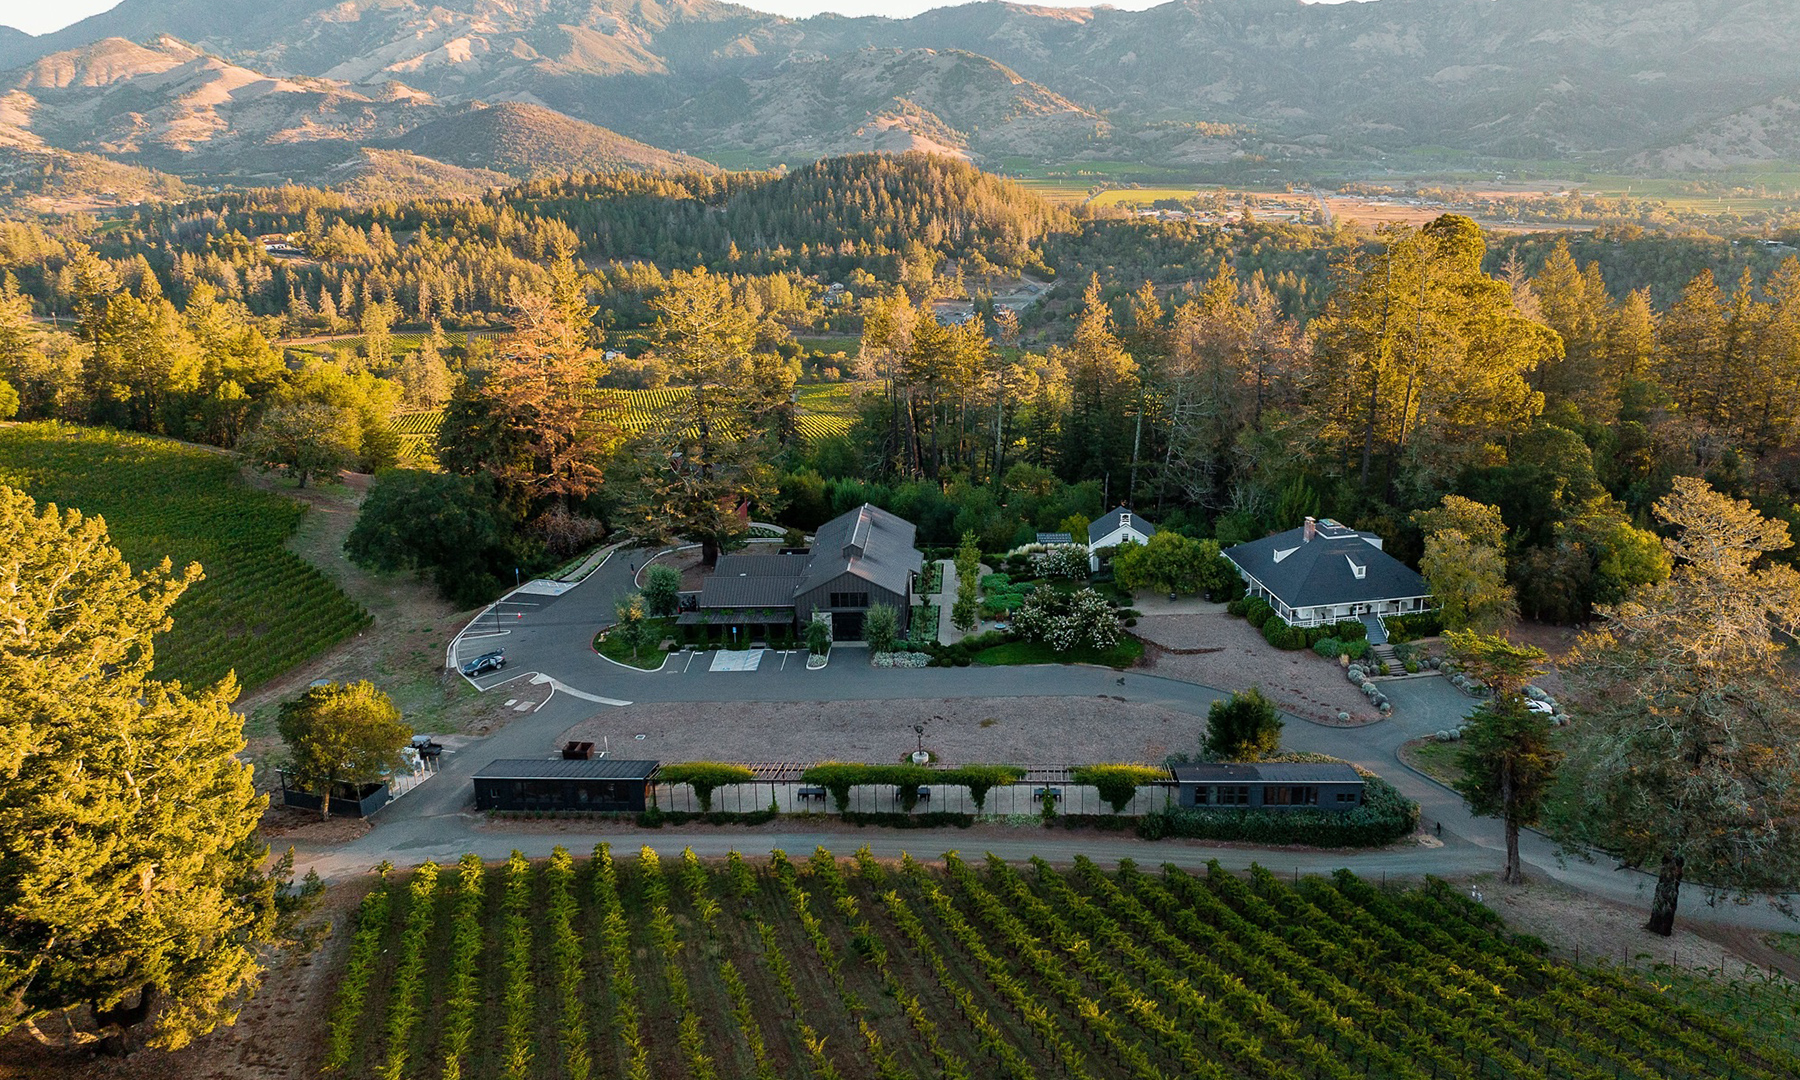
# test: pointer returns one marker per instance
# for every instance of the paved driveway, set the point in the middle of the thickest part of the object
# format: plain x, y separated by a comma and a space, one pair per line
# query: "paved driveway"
548, 639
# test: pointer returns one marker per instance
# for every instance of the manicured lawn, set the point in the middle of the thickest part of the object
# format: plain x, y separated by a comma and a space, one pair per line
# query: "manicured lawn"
1126, 653
1435, 759
649, 657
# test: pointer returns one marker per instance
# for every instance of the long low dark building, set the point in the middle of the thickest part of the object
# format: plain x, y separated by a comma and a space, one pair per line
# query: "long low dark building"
562, 784
1276, 785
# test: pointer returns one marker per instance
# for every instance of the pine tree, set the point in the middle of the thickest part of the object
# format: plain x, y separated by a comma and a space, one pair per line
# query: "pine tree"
1685, 753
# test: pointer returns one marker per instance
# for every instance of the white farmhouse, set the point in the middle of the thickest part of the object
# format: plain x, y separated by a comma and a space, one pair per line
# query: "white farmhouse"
1115, 528
1324, 572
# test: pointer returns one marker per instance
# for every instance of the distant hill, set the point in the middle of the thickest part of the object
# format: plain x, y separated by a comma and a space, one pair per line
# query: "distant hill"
1653, 84
891, 100
375, 175
529, 140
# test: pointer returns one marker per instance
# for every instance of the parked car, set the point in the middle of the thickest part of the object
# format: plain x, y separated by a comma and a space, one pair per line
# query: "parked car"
1540, 706
486, 662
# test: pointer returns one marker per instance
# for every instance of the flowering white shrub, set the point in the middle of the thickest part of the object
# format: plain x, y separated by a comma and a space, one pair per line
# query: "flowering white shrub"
1063, 562
1067, 621
901, 660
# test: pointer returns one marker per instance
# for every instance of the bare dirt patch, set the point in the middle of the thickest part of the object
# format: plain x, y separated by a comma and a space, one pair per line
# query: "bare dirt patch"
686, 561
1302, 682
1591, 929
1024, 731
402, 652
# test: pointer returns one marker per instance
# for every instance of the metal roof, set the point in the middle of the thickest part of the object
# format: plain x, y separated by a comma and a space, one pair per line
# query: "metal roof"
867, 542
1268, 772
566, 769
1325, 569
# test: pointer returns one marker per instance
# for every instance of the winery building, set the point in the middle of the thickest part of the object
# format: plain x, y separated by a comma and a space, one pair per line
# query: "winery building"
857, 560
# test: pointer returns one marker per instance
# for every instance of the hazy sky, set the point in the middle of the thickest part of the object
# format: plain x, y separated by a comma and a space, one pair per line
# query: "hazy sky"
43, 16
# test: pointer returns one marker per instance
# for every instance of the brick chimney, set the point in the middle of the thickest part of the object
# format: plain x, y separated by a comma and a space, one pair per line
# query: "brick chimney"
1312, 529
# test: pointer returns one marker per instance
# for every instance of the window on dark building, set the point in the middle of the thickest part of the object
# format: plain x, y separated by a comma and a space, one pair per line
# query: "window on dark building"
849, 599
1298, 795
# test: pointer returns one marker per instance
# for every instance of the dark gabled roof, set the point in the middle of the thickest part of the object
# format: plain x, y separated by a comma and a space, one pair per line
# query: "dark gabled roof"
753, 581
566, 769
1323, 570
1269, 772
867, 542
1109, 521
1055, 538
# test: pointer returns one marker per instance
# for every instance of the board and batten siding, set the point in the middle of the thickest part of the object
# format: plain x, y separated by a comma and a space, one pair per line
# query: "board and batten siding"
820, 599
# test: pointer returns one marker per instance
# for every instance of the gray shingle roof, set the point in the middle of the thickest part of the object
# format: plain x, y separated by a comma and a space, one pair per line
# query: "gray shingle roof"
566, 769
867, 542
1323, 570
1269, 772
1109, 521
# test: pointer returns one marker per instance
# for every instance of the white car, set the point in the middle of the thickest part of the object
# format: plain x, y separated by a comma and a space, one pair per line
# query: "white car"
1540, 706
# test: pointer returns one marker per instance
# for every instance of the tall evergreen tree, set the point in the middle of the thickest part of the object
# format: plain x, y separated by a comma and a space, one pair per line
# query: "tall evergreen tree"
132, 881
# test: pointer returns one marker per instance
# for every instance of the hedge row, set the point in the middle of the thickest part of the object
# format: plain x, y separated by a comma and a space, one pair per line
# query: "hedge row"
1384, 817
1278, 633
839, 777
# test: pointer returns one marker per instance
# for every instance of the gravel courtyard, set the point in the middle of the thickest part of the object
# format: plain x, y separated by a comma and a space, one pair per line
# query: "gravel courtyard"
1236, 657
1023, 731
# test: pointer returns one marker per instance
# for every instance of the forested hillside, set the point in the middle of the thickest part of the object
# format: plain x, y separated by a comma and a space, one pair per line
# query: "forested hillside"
1011, 367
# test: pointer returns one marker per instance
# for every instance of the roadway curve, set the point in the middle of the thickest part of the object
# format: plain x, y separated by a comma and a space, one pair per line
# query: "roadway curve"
548, 638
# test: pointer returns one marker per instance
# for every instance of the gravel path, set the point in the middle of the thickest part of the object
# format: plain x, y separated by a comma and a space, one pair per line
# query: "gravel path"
1302, 682
1024, 731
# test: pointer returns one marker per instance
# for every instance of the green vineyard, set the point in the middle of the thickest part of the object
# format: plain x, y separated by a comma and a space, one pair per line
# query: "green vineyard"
260, 610
630, 967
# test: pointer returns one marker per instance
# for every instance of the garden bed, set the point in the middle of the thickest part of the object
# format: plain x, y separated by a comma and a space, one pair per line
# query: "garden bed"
648, 658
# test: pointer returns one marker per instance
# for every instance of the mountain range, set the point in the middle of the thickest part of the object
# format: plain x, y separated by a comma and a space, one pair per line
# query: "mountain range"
251, 91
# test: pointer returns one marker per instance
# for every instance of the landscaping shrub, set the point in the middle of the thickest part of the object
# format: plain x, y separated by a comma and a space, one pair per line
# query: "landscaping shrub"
1332, 648
1384, 817
1239, 607
704, 777
1402, 628
931, 819
1282, 636
838, 777
1258, 612
1350, 630
1117, 784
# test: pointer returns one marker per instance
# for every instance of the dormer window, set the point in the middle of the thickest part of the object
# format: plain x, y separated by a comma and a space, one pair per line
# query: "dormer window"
1357, 569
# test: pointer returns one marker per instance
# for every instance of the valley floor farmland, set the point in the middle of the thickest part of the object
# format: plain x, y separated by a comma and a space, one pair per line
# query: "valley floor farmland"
626, 965
260, 610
